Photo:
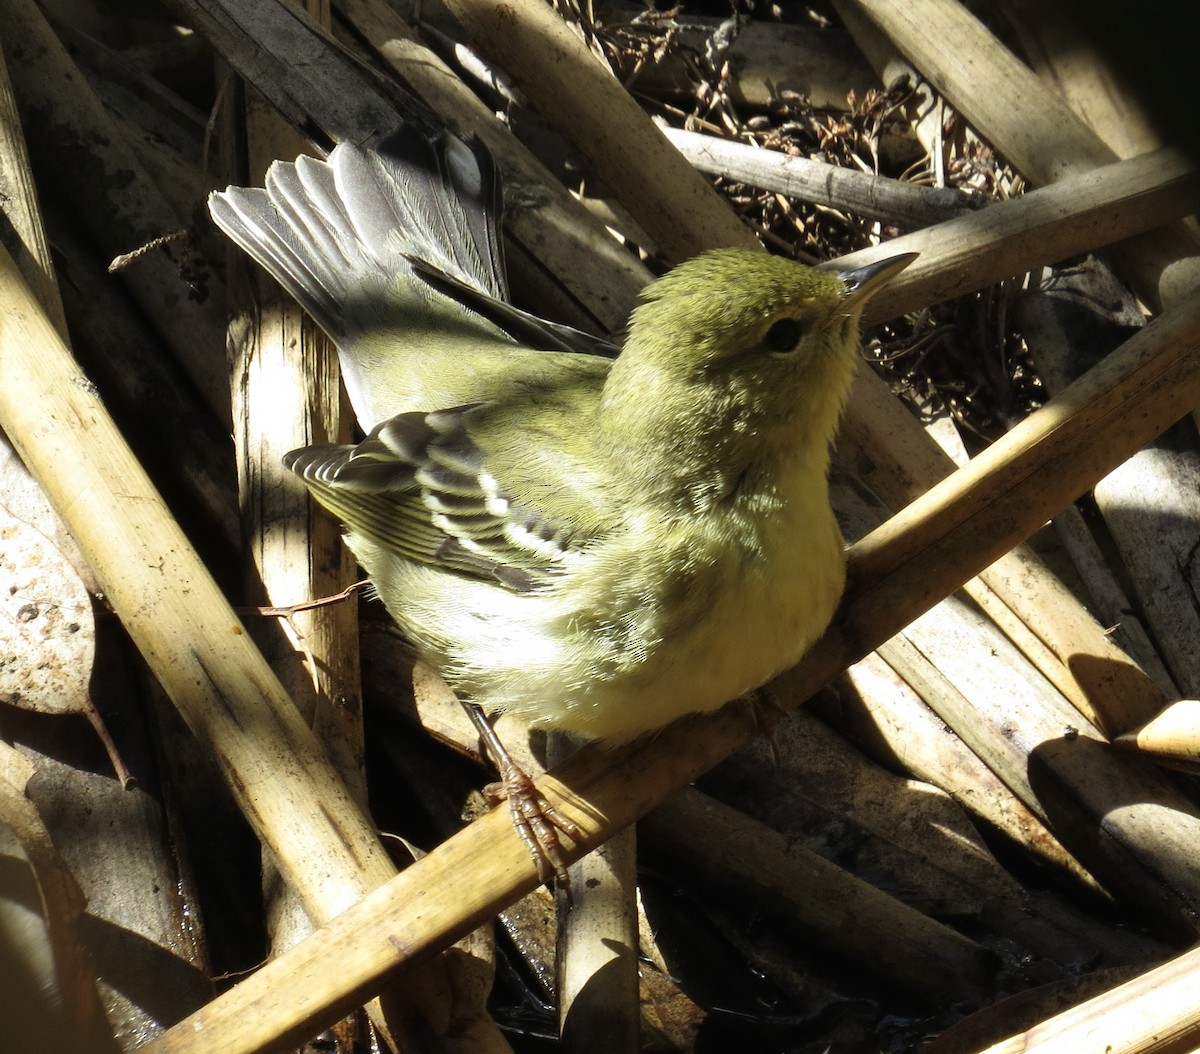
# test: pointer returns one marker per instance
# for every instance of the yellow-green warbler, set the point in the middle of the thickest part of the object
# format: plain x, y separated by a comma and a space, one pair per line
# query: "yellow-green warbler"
596, 544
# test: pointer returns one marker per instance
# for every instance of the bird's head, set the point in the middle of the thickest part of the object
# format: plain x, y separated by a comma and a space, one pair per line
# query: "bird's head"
733, 349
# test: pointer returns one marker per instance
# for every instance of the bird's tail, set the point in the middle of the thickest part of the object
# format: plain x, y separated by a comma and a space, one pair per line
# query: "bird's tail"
342, 236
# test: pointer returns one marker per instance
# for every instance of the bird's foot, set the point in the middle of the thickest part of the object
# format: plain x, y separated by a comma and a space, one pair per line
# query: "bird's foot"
534, 817
537, 822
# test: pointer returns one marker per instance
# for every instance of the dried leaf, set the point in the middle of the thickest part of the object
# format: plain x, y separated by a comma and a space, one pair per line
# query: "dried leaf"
47, 632
41, 907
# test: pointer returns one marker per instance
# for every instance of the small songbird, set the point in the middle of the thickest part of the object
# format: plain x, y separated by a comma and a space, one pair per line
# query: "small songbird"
596, 542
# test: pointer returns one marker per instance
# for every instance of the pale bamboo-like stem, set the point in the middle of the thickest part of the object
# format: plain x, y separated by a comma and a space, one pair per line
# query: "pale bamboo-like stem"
61, 907
979, 686
597, 952
1109, 600
1110, 413
1158, 1011
552, 65
988, 85
1053, 761
108, 885
596, 946
282, 363
1084, 212
1101, 680
1174, 733
885, 710
285, 393
176, 614
1068, 60
1006, 103
1026, 639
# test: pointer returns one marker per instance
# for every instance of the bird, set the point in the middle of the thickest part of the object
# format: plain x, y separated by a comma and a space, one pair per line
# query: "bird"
597, 536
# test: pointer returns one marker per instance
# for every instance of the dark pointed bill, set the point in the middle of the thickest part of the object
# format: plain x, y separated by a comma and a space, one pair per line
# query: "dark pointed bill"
863, 282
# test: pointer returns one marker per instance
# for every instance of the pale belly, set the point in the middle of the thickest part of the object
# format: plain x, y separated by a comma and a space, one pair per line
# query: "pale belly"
760, 621
609, 659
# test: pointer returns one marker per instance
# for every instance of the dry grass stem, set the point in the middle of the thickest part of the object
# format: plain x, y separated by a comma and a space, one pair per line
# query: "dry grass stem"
881, 709
1174, 733
24, 237
51, 938
1108, 600
1100, 679
1071, 63
1056, 765
1096, 208
597, 974
989, 86
280, 362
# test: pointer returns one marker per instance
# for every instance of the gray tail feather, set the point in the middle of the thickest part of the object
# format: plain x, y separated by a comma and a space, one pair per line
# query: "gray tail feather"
331, 232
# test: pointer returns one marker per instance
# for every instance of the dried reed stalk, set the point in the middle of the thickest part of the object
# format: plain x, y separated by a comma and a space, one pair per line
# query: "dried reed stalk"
550, 63
176, 614
1006, 103
890, 200
82, 146
840, 915
1155, 1013
115, 871
25, 237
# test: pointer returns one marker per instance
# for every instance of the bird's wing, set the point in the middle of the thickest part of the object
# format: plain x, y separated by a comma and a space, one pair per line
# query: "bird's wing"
527, 329
420, 487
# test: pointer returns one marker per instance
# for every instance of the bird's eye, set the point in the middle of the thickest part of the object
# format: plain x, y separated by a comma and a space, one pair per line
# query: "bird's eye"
784, 336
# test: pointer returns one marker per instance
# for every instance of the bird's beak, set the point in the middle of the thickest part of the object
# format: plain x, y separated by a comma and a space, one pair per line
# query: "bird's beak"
863, 282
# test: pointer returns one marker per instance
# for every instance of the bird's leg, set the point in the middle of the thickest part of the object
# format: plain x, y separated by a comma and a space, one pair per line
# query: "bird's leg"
533, 817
